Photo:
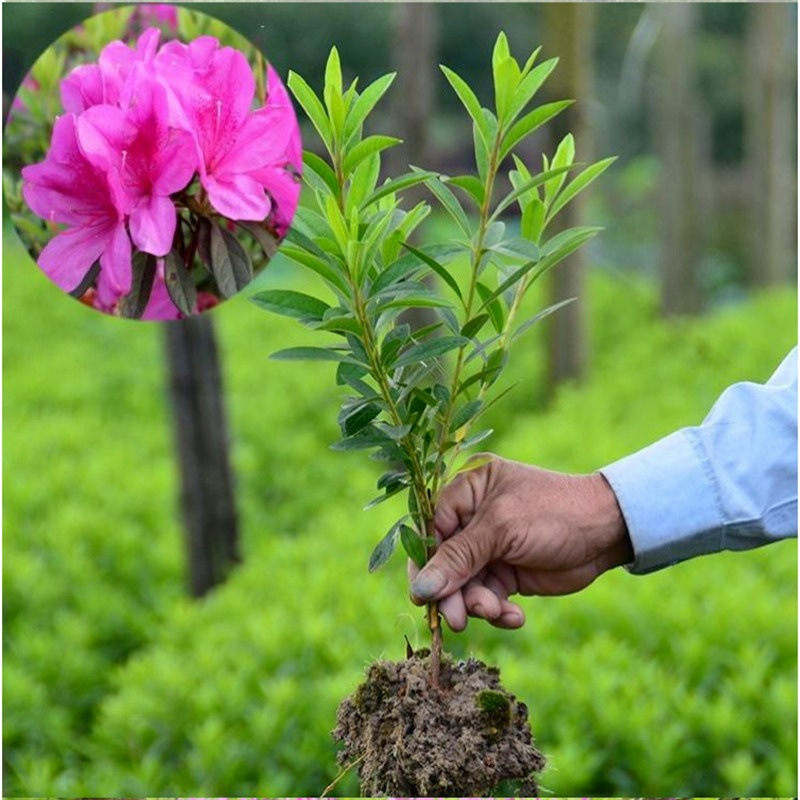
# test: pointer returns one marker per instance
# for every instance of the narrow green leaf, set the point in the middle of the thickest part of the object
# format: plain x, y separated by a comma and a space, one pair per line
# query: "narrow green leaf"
230, 263
366, 148
385, 548
310, 354
473, 326
529, 323
492, 306
529, 123
469, 100
313, 107
365, 102
381, 498
506, 79
529, 85
359, 419
413, 546
532, 221
476, 438
397, 184
337, 223
564, 156
263, 235
365, 439
500, 51
517, 248
291, 304
450, 203
422, 300
465, 414
321, 168
429, 349
333, 71
471, 185
321, 266
180, 285
580, 182
438, 268
512, 280
363, 181
541, 178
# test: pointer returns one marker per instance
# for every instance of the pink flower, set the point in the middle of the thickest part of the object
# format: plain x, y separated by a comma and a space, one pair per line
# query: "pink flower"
68, 189
158, 14
234, 144
148, 159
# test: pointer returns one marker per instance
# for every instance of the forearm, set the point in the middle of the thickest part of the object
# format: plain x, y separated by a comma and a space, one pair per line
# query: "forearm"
728, 484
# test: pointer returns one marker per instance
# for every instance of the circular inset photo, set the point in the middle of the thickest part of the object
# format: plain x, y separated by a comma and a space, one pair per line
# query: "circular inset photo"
151, 162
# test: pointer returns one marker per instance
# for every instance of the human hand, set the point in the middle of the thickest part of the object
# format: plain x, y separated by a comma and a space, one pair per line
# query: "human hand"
507, 528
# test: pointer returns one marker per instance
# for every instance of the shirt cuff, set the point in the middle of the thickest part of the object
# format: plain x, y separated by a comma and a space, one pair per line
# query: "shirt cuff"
669, 499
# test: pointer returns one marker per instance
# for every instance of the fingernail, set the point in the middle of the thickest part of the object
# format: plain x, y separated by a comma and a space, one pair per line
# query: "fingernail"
428, 583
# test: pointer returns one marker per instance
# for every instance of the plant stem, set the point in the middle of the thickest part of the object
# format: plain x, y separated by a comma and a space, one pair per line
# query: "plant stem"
434, 621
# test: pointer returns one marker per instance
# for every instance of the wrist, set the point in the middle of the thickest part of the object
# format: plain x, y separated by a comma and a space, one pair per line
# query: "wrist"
607, 524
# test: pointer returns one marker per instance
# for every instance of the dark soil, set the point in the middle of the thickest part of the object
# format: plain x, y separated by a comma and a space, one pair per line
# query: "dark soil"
462, 739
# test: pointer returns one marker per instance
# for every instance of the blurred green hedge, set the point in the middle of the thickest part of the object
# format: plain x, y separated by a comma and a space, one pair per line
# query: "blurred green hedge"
680, 683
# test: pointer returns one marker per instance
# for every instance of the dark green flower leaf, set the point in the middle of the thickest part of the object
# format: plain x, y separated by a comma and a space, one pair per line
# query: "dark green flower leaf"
438, 268
471, 185
180, 284
359, 419
230, 263
366, 148
143, 273
465, 414
473, 327
87, 280
310, 354
476, 438
263, 235
367, 437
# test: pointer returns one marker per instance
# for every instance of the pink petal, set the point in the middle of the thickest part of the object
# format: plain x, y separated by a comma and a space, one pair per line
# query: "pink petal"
284, 188
84, 87
160, 305
153, 224
176, 164
67, 258
278, 96
116, 260
261, 141
103, 134
238, 197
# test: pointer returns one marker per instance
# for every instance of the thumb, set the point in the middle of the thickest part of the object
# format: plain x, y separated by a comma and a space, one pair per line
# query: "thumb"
455, 561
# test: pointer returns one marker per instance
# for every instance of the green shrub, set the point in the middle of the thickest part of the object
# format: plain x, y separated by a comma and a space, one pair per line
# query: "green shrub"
682, 682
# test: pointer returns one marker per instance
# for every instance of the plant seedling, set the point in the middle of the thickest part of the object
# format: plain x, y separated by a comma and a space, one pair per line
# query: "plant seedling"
415, 398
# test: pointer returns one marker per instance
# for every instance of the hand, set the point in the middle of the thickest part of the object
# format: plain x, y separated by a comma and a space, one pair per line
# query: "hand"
507, 528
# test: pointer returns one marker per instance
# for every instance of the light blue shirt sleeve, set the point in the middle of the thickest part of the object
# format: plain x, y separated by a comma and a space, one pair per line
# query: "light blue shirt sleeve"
727, 484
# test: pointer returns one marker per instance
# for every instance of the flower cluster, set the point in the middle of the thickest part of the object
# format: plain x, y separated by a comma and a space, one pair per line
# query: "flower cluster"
153, 135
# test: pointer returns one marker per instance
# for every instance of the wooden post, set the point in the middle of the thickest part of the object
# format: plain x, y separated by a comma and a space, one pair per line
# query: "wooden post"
207, 497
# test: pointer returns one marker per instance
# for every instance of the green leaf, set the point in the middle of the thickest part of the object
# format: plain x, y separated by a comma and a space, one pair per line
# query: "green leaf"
230, 263
506, 79
310, 354
529, 85
366, 148
321, 266
526, 187
397, 184
476, 438
465, 414
291, 304
492, 306
500, 51
473, 326
450, 203
321, 168
529, 323
143, 273
430, 349
363, 180
470, 101
342, 324
365, 102
413, 546
420, 300
529, 123
313, 107
180, 285
385, 548
333, 71
512, 280
337, 223
564, 156
580, 182
438, 268
532, 221
358, 420
365, 439
471, 185
517, 248
376, 501
408, 266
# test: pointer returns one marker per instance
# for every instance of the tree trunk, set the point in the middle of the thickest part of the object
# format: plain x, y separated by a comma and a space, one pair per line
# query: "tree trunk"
207, 497
569, 29
415, 46
771, 143
678, 136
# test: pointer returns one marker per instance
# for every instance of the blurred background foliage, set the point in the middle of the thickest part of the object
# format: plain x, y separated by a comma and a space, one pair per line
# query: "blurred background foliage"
681, 683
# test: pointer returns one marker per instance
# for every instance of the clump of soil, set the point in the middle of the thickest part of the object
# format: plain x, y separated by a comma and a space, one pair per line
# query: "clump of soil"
462, 739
